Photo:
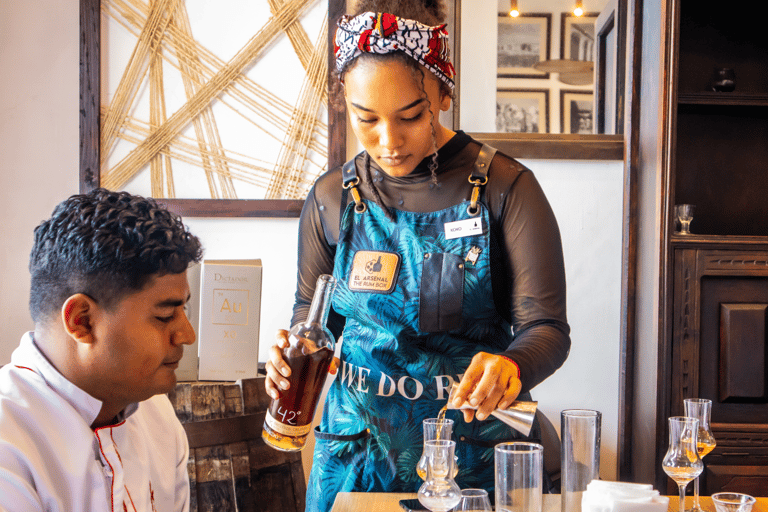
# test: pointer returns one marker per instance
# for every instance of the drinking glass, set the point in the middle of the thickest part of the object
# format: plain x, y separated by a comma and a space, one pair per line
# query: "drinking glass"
684, 213
580, 455
681, 462
474, 500
439, 492
701, 409
733, 502
434, 428
518, 472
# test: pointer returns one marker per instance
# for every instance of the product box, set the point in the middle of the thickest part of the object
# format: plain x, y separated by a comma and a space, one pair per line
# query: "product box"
187, 370
230, 306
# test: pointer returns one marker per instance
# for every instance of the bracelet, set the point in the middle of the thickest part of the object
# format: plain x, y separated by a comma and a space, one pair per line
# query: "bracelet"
514, 363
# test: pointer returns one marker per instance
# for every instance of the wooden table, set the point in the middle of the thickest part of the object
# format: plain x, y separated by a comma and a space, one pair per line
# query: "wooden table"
389, 502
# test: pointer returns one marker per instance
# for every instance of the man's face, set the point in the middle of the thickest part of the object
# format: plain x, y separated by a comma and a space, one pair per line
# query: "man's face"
139, 342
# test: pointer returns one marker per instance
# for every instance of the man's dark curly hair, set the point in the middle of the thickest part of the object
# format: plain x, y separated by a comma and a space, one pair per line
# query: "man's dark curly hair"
106, 245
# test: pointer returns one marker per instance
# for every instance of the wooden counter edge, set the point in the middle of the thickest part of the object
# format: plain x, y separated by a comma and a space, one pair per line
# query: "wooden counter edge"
389, 502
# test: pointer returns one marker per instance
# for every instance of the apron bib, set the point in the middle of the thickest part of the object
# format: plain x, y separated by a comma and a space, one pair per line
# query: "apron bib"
418, 301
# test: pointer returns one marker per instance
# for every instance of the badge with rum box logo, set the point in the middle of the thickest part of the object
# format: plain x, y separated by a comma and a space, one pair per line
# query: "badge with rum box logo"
374, 271
230, 303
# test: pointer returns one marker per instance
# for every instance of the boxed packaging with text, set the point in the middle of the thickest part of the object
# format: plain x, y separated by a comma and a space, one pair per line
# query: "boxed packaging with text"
230, 305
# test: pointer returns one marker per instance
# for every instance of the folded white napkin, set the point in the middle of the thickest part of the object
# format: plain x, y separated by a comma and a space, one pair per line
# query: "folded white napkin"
603, 496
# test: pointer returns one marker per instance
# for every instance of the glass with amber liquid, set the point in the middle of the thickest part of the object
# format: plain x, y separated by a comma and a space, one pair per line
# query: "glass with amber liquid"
701, 409
681, 462
309, 355
435, 429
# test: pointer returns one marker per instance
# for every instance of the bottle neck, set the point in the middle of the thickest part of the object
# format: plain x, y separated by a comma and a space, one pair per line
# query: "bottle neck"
321, 302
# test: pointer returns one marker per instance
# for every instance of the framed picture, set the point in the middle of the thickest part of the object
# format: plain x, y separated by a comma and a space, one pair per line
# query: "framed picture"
522, 111
577, 111
577, 36
175, 107
522, 42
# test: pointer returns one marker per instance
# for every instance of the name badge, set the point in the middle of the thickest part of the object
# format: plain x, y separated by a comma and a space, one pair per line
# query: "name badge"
460, 228
374, 271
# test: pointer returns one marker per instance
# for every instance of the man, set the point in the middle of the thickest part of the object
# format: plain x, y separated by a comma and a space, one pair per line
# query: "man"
84, 421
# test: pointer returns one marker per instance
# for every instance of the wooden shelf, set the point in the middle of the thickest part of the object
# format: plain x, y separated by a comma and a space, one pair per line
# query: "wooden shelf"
719, 241
723, 98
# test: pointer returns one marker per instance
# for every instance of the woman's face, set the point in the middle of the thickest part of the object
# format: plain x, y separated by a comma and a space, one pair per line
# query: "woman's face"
390, 114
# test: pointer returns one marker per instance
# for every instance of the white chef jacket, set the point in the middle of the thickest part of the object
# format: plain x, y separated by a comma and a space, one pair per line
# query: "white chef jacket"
51, 459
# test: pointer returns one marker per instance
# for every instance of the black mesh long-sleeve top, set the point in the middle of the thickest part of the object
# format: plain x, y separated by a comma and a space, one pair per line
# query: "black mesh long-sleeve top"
529, 277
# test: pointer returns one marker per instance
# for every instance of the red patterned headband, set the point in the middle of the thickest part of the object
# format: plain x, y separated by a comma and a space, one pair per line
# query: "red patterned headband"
385, 33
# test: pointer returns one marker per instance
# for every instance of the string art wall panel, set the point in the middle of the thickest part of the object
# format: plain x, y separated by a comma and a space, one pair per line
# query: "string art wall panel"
201, 100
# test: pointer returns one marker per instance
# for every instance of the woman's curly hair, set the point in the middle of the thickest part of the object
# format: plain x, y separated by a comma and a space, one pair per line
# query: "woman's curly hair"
106, 245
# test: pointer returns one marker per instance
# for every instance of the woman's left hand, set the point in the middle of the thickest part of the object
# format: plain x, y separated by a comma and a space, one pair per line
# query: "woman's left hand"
491, 382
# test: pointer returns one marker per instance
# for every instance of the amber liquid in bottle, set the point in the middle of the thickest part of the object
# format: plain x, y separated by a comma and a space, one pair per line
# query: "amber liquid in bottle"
309, 355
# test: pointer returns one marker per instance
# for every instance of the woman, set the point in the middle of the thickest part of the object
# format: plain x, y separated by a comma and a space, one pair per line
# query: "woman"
440, 279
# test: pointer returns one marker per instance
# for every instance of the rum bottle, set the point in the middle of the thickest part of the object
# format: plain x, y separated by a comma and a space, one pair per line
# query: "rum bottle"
309, 355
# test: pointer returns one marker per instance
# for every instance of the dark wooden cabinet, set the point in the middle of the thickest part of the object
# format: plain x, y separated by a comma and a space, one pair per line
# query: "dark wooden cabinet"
713, 342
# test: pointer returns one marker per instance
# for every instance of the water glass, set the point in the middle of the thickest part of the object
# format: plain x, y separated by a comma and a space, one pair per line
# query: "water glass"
474, 500
518, 470
580, 455
733, 502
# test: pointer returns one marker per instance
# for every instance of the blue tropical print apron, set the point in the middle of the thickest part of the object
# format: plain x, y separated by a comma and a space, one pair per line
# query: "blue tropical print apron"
419, 305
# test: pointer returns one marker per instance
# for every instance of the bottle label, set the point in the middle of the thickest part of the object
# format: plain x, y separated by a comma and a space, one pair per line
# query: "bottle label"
286, 430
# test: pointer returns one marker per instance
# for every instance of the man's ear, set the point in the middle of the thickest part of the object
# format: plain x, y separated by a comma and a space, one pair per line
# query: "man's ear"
77, 315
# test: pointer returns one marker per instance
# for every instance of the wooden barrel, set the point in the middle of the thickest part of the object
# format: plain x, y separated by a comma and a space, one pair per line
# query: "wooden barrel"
230, 466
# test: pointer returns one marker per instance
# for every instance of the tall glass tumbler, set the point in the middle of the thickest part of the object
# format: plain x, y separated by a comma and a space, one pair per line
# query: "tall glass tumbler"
519, 470
579, 456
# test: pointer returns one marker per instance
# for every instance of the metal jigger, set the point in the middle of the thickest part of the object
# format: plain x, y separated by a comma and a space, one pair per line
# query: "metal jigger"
519, 415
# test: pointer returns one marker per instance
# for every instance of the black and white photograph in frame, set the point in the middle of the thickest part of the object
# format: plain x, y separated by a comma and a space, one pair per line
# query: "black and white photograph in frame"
577, 110
522, 42
577, 36
522, 111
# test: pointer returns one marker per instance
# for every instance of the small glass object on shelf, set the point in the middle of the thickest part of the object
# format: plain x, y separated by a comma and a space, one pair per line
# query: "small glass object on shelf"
724, 80
439, 492
684, 215
681, 462
733, 502
474, 500
701, 409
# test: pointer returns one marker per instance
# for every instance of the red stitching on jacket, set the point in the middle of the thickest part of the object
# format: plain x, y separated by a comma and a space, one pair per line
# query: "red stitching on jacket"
112, 485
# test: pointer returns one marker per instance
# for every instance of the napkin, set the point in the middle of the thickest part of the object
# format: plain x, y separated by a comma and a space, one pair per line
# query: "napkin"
604, 496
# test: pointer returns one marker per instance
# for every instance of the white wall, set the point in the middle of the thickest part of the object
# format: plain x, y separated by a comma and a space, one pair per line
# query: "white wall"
586, 198
39, 49
39, 167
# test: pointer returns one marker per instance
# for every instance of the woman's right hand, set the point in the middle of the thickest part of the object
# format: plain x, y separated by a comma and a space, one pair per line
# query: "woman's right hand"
278, 370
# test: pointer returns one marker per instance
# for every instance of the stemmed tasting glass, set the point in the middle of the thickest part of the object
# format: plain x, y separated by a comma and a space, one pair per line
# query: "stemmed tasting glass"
439, 492
434, 428
701, 409
474, 500
681, 462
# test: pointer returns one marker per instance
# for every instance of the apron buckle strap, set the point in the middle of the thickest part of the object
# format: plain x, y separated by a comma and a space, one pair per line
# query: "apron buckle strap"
352, 187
